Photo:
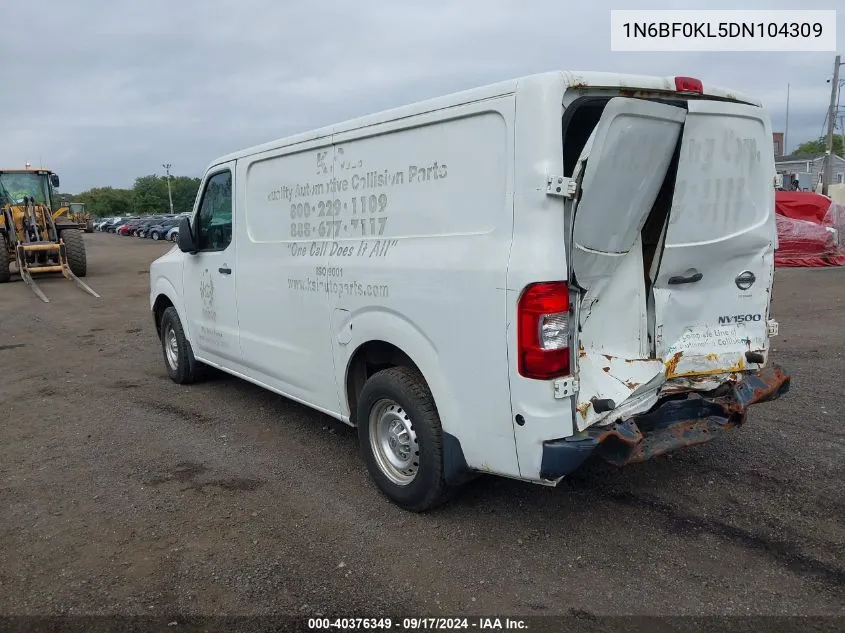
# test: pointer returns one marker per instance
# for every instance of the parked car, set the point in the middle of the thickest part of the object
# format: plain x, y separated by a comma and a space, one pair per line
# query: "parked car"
129, 227
144, 226
109, 225
159, 231
114, 228
173, 234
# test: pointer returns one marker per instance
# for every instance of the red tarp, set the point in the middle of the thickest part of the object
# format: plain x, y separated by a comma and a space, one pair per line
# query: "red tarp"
803, 223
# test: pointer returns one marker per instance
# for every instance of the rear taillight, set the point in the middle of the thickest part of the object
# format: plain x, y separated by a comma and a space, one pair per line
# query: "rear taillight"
543, 330
688, 84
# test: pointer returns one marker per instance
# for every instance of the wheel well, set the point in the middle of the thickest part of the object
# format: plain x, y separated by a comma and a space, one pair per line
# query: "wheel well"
161, 304
371, 357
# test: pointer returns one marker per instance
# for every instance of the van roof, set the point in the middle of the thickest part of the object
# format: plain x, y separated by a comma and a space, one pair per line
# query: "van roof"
560, 80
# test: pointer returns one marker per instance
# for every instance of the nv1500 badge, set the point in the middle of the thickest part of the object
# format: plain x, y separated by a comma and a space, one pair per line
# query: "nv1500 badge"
740, 318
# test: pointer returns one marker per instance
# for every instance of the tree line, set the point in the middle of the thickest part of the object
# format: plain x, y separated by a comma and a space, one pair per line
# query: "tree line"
819, 145
147, 196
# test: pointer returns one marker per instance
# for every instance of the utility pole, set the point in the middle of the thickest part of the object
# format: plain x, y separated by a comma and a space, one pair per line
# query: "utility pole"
842, 123
786, 129
167, 167
831, 122
841, 116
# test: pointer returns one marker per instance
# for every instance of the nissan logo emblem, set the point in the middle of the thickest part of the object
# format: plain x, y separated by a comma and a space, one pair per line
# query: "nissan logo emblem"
745, 280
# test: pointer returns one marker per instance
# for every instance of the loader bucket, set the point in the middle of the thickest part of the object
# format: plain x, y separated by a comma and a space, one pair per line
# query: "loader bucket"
27, 268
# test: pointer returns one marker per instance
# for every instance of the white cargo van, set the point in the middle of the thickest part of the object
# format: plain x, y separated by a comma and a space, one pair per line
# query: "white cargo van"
506, 280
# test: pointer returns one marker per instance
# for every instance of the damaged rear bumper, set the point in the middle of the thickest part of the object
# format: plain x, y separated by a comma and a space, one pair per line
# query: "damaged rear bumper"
671, 424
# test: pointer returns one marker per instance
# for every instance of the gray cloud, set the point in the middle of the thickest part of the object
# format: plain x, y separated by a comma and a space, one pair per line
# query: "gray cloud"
104, 91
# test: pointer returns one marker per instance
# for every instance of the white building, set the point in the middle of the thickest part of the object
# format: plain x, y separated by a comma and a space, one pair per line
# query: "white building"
808, 169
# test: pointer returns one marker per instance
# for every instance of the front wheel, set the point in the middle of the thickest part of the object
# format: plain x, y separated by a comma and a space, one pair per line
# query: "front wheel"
154, 235
75, 251
401, 439
179, 359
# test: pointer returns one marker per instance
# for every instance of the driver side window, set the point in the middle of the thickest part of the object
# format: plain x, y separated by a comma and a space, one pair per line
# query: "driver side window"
214, 220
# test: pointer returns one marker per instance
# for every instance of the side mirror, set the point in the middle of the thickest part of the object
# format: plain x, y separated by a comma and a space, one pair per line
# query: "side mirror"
186, 243
54, 180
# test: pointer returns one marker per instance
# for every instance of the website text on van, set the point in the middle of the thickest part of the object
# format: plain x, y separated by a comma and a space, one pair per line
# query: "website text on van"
506, 280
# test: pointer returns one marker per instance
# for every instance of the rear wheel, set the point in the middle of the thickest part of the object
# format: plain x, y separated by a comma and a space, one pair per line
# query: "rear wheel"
155, 236
75, 249
5, 275
401, 439
179, 359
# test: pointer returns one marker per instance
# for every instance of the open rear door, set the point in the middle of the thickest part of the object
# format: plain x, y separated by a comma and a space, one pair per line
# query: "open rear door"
620, 174
673, 250
713, 282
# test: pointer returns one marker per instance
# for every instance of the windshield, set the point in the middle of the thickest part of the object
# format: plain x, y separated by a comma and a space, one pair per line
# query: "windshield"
77, 207
17, 185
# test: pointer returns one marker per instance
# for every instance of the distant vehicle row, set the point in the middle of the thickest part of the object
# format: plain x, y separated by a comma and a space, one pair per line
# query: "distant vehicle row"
154, 227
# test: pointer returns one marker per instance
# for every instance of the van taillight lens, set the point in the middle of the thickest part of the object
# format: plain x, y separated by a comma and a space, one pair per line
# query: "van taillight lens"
543, 330
688, 84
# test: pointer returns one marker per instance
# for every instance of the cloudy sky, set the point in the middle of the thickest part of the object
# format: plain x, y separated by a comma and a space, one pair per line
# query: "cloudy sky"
103, 91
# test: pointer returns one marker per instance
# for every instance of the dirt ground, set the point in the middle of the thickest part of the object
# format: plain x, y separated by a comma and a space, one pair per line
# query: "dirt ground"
122, 492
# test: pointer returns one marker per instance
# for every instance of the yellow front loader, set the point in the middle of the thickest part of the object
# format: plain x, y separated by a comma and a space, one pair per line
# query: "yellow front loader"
31, 237
77, 213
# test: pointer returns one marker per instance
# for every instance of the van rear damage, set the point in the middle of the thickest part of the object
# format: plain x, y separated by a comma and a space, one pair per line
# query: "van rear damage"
669, 196
675, 421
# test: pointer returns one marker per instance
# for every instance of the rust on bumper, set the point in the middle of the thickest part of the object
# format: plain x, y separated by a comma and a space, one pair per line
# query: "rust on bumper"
673, 423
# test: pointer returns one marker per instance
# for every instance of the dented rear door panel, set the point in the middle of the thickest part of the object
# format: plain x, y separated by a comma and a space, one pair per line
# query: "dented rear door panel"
620, 174
712, 290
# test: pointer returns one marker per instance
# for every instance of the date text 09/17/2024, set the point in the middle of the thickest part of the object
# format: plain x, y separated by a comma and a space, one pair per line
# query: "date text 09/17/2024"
417, 624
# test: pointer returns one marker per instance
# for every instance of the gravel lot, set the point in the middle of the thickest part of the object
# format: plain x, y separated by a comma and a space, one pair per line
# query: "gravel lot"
121, 492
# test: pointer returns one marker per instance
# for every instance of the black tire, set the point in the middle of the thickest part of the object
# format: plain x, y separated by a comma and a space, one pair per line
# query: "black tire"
5, 274
181, 366
75, 250
154, 236
411, 403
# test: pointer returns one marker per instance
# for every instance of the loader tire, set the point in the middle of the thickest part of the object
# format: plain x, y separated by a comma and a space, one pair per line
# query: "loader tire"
75, 249
5, 275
